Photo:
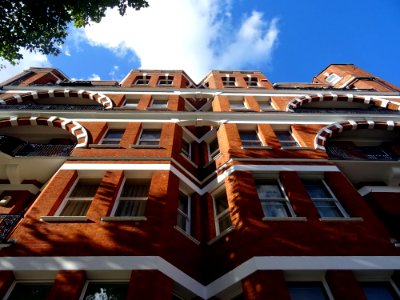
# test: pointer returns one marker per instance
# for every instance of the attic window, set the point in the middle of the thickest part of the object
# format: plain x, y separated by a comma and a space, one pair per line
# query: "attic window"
167, 80
333, 78
142, 80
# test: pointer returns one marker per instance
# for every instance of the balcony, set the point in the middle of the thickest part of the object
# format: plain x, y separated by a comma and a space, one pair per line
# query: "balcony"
7, 224
352, 111
18, 148
370, 153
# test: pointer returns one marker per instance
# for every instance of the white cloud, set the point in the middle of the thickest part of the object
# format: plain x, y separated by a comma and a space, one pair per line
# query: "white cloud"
192, 35
94, 77
29, 60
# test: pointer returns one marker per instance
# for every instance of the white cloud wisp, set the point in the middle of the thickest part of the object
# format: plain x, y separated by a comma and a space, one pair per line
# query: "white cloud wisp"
195, 36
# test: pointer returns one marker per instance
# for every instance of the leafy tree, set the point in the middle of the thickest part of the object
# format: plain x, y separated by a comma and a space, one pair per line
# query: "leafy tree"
41, 25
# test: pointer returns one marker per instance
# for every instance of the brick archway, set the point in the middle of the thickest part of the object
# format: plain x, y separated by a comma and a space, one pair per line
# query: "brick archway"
336, 128
97, 97
298, 102
71, 126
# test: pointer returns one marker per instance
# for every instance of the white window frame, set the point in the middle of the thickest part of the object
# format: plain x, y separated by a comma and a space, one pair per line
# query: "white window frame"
185, 215
284, 200
332, 198
251, 82
213, 155
142, 80
119, 198
69, 198
166, 80
258, 140
221, 192
161, 104
229, 81
187, 154
115, 141
140, 139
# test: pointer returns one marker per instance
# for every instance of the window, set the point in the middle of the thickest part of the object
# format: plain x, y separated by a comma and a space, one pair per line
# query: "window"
307, 291
132, 201
213, 148
186, 148
251, 81
78, 202
324, 200
142, 80
237, 105
159, 104
286, 139
167, 80
30, 290
379, 291
132, 103
250, 138
333, 78
105, 290
112, 137
273, 200
222, 216
184, 212
150, 137
228, 81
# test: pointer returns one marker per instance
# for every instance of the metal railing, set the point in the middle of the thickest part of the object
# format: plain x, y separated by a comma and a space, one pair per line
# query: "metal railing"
7, 224
50, 107
15, 147
371, 110
371, 153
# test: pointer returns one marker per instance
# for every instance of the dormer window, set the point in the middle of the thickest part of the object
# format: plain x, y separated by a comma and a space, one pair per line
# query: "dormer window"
142, 80
228, 81
167, 80
251, 81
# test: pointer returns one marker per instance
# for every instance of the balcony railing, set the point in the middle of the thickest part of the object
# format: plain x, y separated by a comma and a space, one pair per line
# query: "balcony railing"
15, 147
374, 153
51, 107
7, 224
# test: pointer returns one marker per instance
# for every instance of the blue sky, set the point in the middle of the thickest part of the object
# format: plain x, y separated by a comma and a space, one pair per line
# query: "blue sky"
290, 41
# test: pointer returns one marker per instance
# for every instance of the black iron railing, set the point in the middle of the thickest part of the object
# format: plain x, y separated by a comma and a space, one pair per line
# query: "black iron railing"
50, 107
7, 224
15, 147
374, 153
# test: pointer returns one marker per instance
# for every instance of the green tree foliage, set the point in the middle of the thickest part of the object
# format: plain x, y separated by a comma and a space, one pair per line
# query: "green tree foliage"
41, 25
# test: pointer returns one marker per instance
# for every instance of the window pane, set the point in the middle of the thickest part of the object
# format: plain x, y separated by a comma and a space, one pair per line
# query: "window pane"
85, 189
275, 209
31, 291
131, 208
306, 291
221, 203
106, 290
76, 208
317, 190
114, 133
150, 135
214, 148
328, 209
183, 203
266, 191
183, 222
378, 291
134, 190
224, 222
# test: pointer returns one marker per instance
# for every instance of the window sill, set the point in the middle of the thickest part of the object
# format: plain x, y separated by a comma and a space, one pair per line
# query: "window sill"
220, 236
123, 219
146, 146
351, 219
257, 147
284, 219
295, 148
187, 235
104, 146
63, 218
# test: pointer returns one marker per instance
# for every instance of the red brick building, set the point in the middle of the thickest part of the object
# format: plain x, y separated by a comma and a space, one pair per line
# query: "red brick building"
156, 187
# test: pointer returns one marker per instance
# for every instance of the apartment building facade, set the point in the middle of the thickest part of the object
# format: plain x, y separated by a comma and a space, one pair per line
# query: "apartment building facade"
157, 187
